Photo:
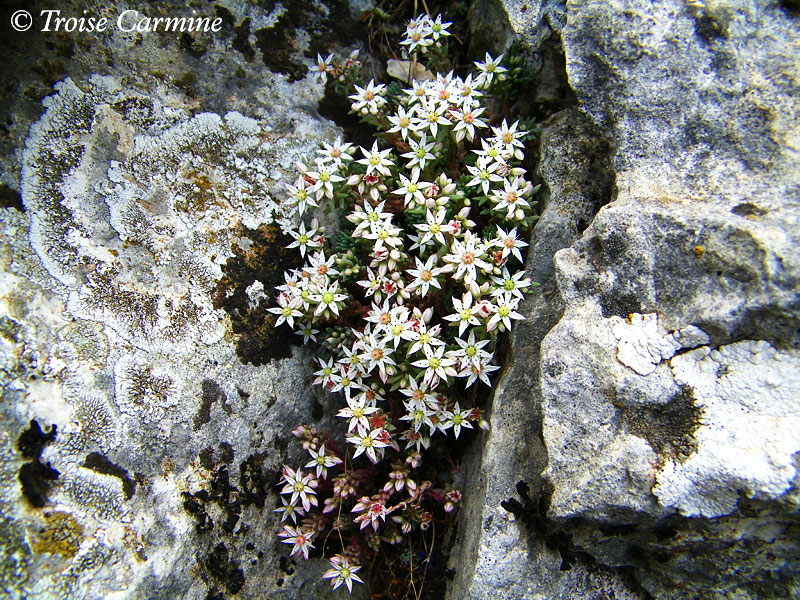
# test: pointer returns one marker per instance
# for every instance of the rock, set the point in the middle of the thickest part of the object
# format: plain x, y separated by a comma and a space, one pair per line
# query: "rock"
506, 557
496, 24
531, 31
699, 99
665, 382
137, 267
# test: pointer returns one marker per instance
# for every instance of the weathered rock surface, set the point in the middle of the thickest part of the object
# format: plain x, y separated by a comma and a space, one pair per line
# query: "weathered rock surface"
140, 437
644, 438
498, 556
665, 394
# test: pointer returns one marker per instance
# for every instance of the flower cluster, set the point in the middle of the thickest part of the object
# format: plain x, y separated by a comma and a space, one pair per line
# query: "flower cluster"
424, 32
408, 302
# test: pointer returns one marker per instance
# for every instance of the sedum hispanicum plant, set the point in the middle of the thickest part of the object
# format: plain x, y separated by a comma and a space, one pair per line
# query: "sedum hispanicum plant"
407, 301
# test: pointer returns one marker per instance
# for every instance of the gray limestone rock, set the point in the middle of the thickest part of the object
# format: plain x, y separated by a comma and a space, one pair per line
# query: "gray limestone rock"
666, 381
162, 431
498, 555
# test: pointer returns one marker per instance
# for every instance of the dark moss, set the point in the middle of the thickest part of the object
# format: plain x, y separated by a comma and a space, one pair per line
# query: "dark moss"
337, 28
192, 45
257, 341
211, 393
226, 570
710, 27
206, 458
792, 7
61, 44
255, 481
277, 43
225, 15
194, 506
10, 198
226, 453
9, 329
100, 464
746, 209
50, 71
667, 427
32, 440
620, 303
36, 480
241, 40
186, 83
